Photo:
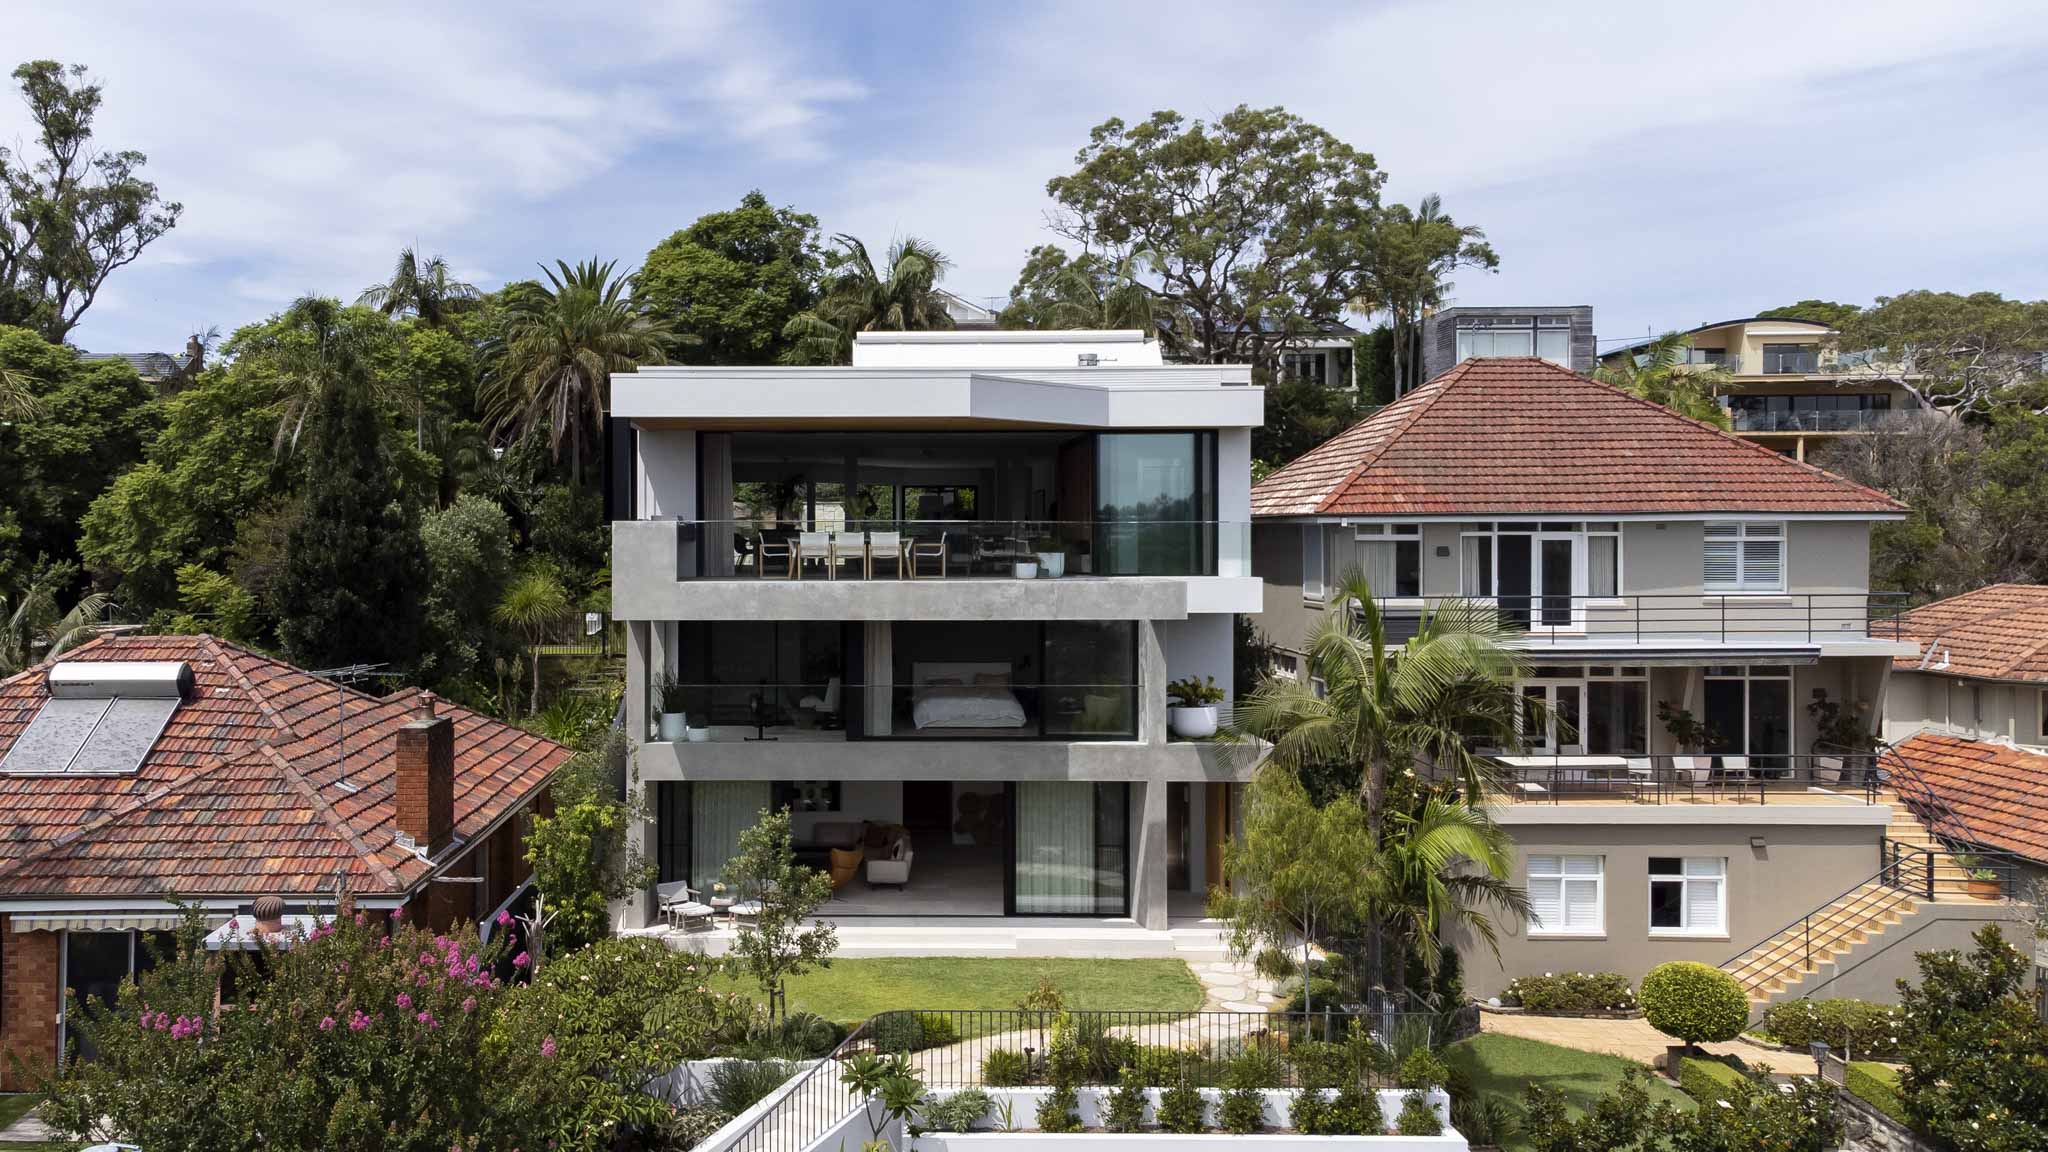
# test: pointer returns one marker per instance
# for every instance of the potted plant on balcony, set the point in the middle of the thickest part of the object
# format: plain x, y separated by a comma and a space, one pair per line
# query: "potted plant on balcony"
1192, 714
673, 726
1052, 560
1981, 883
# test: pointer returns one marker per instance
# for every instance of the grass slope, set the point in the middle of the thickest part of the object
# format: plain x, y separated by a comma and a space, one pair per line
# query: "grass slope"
854, 990
1506, 1065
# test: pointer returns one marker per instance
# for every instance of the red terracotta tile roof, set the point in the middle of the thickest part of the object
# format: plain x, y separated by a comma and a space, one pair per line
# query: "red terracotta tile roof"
1999, 633
1525, 437
1998, 791
248, 790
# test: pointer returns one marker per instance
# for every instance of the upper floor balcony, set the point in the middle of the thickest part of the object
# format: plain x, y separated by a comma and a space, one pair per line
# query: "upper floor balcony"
1705, 620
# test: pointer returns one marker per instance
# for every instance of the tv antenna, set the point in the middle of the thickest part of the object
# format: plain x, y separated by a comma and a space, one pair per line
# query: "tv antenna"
345, 677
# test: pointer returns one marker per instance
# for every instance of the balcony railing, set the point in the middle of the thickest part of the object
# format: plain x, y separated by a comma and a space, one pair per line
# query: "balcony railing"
958, 549
1844, 420
944, 708
1710, 778
1722, 617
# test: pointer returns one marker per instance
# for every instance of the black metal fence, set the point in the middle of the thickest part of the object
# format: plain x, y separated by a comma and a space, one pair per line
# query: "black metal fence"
1706, 778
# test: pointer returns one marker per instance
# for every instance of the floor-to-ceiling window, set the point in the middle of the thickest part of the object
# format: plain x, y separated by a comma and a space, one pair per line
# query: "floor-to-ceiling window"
1070, 853
1749, 713
1155, 503
1003, 680
747, 672
1544, 572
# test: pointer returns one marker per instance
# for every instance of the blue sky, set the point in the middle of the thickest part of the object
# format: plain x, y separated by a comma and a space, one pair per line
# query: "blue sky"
1669, 164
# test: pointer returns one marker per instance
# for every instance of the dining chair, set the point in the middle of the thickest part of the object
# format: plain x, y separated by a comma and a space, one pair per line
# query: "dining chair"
778, 550
1735, 771
849, 546
925, 550
1695, 772
812, 546
1642, 776
885, 546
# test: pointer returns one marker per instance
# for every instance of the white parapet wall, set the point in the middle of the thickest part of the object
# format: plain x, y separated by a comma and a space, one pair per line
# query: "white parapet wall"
1022, 1113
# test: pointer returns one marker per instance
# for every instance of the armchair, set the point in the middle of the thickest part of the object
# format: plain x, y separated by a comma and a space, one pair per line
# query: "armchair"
894, 869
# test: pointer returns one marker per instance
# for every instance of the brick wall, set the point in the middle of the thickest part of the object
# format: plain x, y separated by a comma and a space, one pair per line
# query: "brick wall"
29, 993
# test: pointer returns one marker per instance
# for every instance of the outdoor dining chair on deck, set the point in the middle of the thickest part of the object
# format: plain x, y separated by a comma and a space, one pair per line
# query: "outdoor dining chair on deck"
885, 546
849, 546
926, 549
777, 553
812, 546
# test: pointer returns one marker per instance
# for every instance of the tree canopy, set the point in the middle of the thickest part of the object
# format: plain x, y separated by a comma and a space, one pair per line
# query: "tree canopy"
1661, 373
1819, 311
71, 214
1055, 290
899, 295
1957, 353
734, 280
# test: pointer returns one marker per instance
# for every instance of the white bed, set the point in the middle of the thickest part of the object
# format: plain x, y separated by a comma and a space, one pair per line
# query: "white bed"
955, 695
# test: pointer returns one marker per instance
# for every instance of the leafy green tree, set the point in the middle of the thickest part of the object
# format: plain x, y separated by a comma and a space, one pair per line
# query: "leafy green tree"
1756, 1118
71, 214
1819, 311
1298, 876
469, 561
1975, 1049
582, 857
1375, 353
212, 602
422, 288
1410, 258
355, 569
900, 296
36, 626
777, 944
1956, 353
535, 605
734, 280
91, 422
1256, 228
1442, 866
1085, 291
1659, 372
1300, 414
551, 363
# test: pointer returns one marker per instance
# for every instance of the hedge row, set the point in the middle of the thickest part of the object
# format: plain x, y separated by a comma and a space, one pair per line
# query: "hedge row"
1572, 992
1708, 1081
1855, 1029
1877, 1086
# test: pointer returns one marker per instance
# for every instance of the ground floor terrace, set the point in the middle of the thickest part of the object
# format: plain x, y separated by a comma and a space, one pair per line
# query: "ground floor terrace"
1109, 851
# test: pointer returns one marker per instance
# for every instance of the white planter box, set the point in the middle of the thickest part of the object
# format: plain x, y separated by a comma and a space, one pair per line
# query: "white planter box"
1092, 1102
1053, 564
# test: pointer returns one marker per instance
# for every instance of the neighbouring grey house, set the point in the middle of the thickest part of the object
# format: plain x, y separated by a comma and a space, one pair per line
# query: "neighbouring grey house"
930, 602
1561, 335
162, 369
1645, 562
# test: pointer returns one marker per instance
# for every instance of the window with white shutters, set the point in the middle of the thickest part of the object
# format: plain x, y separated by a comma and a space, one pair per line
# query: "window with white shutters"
1744, 557
1689, 894
1565, 896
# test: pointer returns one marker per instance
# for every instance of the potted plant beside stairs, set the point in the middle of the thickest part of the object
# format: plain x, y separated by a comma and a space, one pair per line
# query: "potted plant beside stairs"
1192, 714
1980, 883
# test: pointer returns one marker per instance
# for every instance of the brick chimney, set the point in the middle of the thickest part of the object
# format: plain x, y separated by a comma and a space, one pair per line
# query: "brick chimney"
426, 780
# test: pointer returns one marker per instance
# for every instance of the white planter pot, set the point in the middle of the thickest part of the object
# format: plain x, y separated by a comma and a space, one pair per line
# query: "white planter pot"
673, 725
700, 735
1053, 564
1026, 570
1192, 723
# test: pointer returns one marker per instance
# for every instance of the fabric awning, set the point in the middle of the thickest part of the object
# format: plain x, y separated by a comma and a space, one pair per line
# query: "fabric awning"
95, 922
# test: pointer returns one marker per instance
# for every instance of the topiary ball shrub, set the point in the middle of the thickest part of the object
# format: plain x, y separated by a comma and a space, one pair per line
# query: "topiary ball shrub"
1694, 1002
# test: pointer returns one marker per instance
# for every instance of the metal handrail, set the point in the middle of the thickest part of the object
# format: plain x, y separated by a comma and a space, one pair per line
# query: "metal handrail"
1705, 614
1944, 824
1662, 782
800, 1117
1887, 875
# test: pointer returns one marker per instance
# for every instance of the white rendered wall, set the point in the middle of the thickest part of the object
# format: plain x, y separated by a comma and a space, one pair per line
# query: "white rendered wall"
982, 349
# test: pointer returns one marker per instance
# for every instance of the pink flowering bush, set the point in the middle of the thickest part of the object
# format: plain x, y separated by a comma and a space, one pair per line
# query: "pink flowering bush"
365, 1034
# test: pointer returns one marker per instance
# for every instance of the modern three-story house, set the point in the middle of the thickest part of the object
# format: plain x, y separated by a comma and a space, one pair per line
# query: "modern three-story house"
930, 602
1650, 566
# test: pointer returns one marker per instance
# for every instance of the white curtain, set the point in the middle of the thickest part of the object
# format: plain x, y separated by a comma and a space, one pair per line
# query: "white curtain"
719, 811
1376, 559
714, 503
1055, 848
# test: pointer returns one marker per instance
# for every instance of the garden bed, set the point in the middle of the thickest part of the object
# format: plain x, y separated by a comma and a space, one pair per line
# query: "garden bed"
1516, 1010
1017, 1110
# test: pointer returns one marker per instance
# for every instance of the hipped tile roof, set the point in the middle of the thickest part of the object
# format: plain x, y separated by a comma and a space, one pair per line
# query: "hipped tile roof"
1524, 437
257, 785
1999, 633
1999, 792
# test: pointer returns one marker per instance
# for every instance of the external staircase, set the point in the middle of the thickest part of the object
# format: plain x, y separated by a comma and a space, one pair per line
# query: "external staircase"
1918, 868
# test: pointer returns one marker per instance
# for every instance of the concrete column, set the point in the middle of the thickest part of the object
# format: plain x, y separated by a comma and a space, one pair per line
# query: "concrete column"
1148, 853
638, 682
1152, 678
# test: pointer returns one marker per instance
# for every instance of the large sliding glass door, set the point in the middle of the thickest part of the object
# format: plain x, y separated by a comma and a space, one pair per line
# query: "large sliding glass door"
1070, 849
1749, 713
1155, 503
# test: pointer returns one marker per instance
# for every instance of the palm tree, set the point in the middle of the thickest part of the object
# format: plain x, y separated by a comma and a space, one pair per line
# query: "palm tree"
552, 360
1089, 297
425, 290
1413, 252
860, 297
39, 628
534, 604
1425, 882
1662, 372
1419, 709
17, 401
313, 349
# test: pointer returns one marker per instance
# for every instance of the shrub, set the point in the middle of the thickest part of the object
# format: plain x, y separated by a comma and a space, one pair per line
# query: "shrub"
1571, 992
1181, 1109
1320, 995
1161, 1065
1005, 1068
1694, 1002
936, 1031
1060, 1111
738, 1085
1855, 1029
1102, 1054
1976, 1052
1423, 1070
687, 1127
1045, 996
1243, 1109
896, 1032
959, 1112
1878, 1086
1709, 1081
1418, 1117
1126, 1109
1309, 1114
1484, 1121
1356, 1110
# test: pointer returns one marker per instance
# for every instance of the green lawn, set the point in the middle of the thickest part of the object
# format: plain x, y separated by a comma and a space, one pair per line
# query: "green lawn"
1505, 1065
854, 990
14, 1107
